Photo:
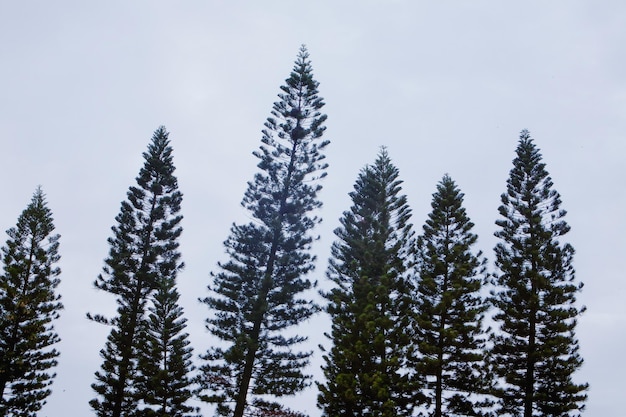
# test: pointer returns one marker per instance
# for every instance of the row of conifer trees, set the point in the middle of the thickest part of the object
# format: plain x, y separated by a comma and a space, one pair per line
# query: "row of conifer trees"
408, 310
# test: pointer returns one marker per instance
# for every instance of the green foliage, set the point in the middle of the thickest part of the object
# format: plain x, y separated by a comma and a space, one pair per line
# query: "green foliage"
449, 332
536, 352
143, 252
255, 296
165, 360
28, 307
370, 305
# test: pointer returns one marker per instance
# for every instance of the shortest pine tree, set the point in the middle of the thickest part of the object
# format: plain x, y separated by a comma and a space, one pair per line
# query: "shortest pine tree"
450, 336
28, 306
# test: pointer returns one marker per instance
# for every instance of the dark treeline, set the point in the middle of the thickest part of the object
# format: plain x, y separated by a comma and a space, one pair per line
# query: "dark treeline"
408, 306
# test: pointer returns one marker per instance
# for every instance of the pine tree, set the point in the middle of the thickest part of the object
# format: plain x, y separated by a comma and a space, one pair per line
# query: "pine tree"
28, 307
370, 305
536, 351
143, 251
165, 362
256, 295
449, 308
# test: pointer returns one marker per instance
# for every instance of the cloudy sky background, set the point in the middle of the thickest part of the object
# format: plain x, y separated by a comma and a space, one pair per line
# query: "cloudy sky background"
446, 86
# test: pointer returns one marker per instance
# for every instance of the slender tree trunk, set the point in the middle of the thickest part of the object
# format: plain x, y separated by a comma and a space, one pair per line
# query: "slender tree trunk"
438, 387
164, 410
442, 328
125, 364
530, 359
530, 371
132, 327
261, 303
8, 373
247, 370
3, 383
439, 376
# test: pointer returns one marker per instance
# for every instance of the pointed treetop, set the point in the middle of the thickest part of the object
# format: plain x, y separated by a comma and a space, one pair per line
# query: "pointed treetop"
525, 135
38, 199
159, 146
447, 190
37, 209
39, 195
527, 150
301, 89
383, 155
303, 63
446, 183
304, 53
158, 162
382, 160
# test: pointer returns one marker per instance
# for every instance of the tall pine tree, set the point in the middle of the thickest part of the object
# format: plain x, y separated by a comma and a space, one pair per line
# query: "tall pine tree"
370, 306
143, 252
449, 308
256, 295
28, 307
535, 353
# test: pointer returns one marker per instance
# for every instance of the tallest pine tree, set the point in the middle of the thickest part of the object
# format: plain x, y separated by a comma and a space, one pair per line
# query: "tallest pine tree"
256, 296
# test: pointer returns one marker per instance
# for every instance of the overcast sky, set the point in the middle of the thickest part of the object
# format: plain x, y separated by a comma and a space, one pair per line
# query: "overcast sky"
447, 86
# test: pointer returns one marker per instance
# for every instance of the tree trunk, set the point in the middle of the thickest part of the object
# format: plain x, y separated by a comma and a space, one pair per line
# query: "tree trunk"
261, 303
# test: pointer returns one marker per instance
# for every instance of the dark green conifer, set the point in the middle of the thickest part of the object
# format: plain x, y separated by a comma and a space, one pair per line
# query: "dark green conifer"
370, 305
28, 307
256, 295
449, 308
143, 251
535, 352
164, 382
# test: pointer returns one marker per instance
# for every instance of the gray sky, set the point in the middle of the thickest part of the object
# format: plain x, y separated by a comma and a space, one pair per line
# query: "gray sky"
446, 86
